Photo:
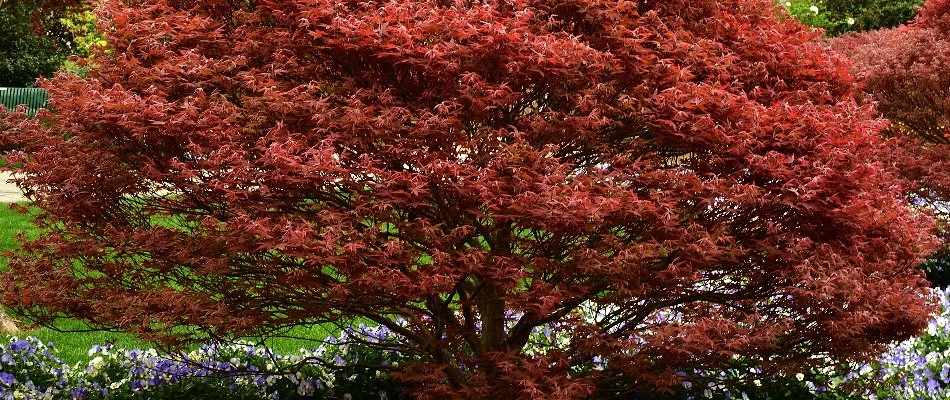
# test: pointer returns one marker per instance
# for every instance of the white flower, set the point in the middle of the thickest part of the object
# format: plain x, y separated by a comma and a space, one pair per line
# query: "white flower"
813, 9
306, 388
800, 376
850, 21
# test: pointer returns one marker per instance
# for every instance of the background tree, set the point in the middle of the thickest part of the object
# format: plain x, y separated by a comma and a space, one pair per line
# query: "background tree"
904, 71
662, 186
35, 39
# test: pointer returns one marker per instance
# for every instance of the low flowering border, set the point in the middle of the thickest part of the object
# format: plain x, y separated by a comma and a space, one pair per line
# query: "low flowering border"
352, 365
30, 369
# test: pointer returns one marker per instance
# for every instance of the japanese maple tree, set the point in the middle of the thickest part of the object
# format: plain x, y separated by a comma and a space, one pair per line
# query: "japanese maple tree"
665, 186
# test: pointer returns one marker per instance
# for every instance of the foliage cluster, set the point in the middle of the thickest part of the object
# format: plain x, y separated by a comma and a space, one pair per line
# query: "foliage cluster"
86, 40
542, 199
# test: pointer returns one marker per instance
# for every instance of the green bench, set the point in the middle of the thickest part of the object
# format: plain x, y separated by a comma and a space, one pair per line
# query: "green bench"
33, 98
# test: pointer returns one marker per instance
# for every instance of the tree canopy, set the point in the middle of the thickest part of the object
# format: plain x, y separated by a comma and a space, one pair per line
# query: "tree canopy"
660, 187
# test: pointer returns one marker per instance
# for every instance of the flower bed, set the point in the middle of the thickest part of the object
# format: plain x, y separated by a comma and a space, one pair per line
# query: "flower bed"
338, 368
345, 367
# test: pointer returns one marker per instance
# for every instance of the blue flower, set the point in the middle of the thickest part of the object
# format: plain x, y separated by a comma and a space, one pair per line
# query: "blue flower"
79, 392
7, 359
7, 378
932, 385
19, 345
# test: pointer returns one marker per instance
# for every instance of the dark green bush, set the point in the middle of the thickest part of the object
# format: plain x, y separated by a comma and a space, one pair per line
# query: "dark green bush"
25, 53
837, 17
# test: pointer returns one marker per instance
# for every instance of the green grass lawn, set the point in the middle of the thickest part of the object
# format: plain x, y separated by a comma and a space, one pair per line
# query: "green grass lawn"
12, 222
73, 346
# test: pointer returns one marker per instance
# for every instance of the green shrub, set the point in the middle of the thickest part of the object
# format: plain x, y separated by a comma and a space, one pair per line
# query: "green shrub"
837, 17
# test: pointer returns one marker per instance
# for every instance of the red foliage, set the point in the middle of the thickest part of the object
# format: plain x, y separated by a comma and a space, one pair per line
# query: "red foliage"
904, 70
934, 14
699, 172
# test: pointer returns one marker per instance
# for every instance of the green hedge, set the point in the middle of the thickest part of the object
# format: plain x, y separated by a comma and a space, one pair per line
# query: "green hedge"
837, 17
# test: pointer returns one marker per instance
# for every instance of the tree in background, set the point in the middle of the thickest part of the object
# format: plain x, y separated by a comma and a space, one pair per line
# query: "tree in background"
904, 71
837, 17
542, 199
24, 53
36, 38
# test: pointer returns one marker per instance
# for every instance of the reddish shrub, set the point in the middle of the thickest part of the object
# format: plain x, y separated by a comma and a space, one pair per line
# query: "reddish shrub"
698, 176
935, 14
904, 71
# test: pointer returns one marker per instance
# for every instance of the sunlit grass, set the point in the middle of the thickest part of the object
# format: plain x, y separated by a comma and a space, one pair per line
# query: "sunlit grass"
73, 346
13, 222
